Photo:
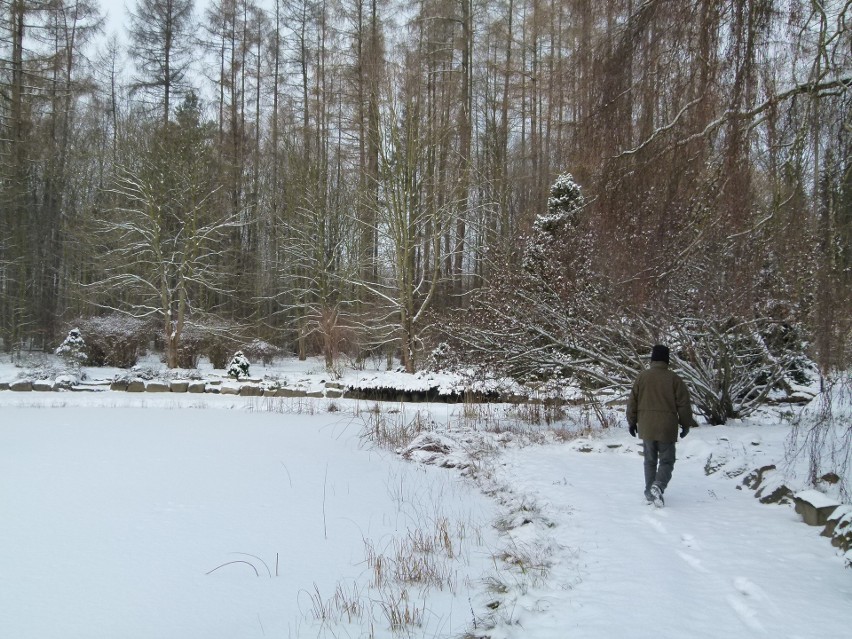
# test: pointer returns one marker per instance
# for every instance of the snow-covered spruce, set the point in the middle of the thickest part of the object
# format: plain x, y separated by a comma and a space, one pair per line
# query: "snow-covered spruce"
73, 347
239, 366
562, 205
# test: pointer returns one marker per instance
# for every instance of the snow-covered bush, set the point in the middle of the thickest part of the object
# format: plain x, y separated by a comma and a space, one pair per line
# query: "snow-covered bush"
213, 338
729, 364
66, 381
220, 338
261, 350
559, 320
114, 340
216, 349
441, 357
532, 335
145, 372
191, 345
239, 366
73, 348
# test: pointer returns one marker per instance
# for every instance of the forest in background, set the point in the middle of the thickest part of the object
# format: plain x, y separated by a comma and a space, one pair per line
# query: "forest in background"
363, 176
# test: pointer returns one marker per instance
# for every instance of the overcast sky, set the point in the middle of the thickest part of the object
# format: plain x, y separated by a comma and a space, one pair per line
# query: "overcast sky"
116, 18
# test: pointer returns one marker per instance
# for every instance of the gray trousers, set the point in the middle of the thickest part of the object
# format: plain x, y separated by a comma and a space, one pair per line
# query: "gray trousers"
659, 463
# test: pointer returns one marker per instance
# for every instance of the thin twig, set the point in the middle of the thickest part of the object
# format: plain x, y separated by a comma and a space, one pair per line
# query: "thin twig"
324, 485
255, 557
236, 561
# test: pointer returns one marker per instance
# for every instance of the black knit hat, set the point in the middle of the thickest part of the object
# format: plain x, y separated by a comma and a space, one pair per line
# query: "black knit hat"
660, 353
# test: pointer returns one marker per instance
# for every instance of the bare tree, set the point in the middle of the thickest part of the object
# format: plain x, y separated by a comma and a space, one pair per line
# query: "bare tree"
163, 246
316, 279
161, 32
409, 232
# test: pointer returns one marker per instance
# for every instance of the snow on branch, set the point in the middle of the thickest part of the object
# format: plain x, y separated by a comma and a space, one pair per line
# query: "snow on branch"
822, 88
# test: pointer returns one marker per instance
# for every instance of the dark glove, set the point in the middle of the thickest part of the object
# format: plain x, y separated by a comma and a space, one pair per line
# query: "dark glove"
632, 430
684, 432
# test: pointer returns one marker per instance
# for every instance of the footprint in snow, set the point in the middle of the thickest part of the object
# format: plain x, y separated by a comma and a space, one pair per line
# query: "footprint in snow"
748, 596
746, 613
655, 524
689, 541
748, 588
752, 591
693, 562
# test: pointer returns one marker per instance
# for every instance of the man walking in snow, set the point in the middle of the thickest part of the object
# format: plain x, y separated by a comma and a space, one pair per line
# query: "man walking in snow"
659, 402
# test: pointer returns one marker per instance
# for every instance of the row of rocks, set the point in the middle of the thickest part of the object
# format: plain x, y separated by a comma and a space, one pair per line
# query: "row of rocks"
815, 507
26, 385
255, 388
248, 389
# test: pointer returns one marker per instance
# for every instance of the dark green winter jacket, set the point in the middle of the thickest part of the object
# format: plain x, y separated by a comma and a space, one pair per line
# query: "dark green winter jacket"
659, 402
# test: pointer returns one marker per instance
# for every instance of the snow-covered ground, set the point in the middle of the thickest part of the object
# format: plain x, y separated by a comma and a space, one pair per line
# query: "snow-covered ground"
188, 522
178, 516
714, 562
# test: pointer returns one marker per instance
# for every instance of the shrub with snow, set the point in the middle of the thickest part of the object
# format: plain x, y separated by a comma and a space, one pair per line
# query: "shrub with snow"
259, 349
239, 366
212, 337
114, 340
73, 348
729, 364
189, 350
441, 357
66, 382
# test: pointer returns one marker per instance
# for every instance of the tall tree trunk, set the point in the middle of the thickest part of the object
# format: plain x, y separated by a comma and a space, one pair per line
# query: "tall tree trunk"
465, 135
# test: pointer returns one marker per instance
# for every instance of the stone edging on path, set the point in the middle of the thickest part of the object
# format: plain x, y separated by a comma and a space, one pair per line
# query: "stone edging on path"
815, 508
256, 388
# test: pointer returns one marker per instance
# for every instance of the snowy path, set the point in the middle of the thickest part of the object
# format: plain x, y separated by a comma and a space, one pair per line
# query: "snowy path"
713, 563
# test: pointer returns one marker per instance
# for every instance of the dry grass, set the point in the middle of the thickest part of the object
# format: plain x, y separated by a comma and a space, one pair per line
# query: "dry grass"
346, 605
530, 560
424, 557
539, 413
283, 405
399, 611
393, 430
